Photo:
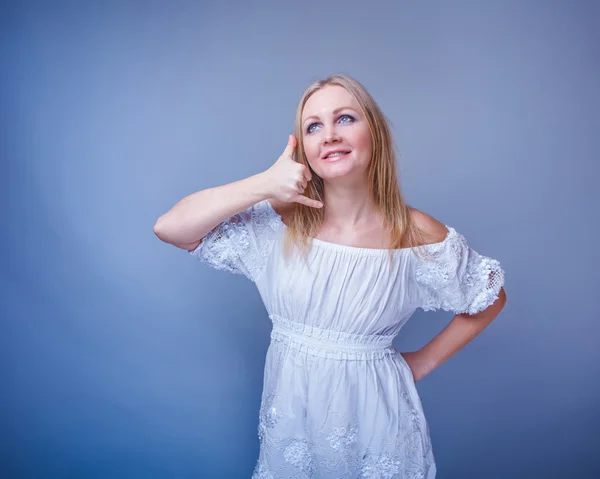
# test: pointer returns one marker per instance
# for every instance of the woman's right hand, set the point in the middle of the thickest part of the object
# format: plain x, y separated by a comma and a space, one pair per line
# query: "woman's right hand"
287, 179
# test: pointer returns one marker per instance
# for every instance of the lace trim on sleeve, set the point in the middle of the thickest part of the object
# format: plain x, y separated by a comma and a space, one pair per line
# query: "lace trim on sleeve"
457, 278
242, 243
223, 247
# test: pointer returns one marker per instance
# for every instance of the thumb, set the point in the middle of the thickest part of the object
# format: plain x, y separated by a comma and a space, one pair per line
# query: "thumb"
291, 146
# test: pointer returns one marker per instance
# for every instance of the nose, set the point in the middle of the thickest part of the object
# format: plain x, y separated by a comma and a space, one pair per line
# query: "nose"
330, 136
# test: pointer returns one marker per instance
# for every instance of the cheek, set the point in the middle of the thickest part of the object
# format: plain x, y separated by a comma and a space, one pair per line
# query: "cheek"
363, 141
311, 148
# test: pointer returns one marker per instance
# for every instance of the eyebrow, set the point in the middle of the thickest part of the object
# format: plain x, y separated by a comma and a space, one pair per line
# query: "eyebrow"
335, 112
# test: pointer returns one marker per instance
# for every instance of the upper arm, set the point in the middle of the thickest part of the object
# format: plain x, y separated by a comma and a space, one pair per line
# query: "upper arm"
433, 230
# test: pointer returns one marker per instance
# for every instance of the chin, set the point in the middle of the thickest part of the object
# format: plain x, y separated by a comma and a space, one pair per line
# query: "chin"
340, 171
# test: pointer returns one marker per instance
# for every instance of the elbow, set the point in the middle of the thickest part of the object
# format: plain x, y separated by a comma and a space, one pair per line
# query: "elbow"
161, 230
498, 304
501, 298
167, 234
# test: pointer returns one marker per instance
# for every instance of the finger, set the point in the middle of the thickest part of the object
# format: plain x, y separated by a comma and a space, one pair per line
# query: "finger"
291, 146
307, 174
308, 202
302, 184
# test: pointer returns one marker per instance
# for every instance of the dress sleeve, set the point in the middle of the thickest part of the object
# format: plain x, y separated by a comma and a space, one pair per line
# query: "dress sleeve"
456, 278
242, 243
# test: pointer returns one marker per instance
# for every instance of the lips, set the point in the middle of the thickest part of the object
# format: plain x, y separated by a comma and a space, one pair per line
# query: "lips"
341, 154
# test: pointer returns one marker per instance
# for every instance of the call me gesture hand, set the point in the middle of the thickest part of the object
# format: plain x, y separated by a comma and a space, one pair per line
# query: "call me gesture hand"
287, 179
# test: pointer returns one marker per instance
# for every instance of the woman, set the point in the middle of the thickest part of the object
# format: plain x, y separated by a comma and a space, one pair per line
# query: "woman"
341, 263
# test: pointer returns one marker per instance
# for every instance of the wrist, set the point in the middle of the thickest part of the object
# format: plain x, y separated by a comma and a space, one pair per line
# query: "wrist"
261, 186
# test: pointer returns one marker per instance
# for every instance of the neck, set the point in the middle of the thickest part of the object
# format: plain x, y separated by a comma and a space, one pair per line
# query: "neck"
348, 206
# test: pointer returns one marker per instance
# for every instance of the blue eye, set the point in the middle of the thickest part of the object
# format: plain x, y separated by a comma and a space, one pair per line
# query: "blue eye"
351, 118
310, 128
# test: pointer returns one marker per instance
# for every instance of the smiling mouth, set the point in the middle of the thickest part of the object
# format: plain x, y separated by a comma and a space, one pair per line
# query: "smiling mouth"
336, 156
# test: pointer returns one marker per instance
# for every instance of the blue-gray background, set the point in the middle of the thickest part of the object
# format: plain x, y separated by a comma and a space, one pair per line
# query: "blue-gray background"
125, 357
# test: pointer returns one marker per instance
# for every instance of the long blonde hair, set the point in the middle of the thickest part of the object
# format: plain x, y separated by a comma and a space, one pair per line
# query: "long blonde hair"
304, 222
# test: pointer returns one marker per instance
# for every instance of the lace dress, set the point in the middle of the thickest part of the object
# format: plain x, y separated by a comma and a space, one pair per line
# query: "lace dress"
338, 400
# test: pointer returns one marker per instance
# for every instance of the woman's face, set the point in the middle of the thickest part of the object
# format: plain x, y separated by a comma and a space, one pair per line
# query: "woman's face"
336, 136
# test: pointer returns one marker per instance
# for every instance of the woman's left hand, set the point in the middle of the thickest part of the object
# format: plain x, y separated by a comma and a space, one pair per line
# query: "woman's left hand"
418, 364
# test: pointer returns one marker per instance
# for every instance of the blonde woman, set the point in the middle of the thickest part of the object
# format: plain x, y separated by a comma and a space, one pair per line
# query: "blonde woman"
341, 263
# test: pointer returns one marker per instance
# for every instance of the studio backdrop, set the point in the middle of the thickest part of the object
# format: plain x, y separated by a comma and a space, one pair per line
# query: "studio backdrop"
123, 356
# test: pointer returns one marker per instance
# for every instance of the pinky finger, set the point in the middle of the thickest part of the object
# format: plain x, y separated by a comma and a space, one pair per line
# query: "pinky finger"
308, 202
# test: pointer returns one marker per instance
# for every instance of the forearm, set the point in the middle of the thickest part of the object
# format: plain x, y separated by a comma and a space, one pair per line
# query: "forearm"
196, 215
461, 330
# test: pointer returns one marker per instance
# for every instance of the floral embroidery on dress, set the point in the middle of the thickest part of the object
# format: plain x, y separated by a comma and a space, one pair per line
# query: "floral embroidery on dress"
261, 471
413, 417
298, 454
413, 444
336, 450
414, 472
341, 438
380, 466
268, 416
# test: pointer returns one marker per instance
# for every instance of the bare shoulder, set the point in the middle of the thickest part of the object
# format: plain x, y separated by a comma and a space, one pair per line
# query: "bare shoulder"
434, 231
282, 208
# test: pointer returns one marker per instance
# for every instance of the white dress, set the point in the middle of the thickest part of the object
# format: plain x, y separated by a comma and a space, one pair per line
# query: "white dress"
338, 400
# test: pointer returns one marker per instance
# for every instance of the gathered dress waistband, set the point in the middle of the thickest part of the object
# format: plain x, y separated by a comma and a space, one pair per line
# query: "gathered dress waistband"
328, 342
